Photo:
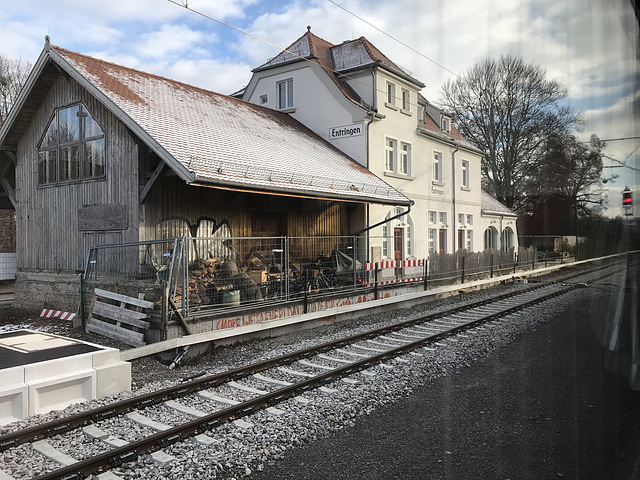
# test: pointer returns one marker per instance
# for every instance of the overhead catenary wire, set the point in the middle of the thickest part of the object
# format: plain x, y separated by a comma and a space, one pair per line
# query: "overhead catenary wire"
395, 39
184, 4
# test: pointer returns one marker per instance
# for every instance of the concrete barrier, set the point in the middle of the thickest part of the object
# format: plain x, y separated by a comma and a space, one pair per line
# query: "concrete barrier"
56, 383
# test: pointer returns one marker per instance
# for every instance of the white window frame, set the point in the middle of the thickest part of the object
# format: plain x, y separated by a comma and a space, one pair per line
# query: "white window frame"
442, 216
433, 217
390, 154
465, 174
461, 219
469, 219
391, 93
385, 241
437, 166
404, 165
432, 237
469, 241
285, 86
446, 124
406, 100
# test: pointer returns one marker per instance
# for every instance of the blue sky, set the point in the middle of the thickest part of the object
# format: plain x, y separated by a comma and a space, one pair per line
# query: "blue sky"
589, 45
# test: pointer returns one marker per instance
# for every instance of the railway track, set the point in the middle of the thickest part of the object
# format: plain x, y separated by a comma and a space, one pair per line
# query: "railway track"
207, 403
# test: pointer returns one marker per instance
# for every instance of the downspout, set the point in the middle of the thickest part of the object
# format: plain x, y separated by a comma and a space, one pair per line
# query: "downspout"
386, 220
372, 111
453, 196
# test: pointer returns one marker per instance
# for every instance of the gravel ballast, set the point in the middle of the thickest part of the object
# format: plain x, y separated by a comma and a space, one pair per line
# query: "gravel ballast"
237, 451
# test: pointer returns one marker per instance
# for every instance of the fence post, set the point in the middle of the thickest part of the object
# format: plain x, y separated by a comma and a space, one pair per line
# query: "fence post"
82, 319
462, 279
491, 266
375, 281
515, 263
306, 300
425, 269
354, 256
184, 261
286, 267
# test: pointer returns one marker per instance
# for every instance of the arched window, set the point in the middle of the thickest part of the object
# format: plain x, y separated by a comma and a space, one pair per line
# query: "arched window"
72, 147
398, 236
490, 238
507, 239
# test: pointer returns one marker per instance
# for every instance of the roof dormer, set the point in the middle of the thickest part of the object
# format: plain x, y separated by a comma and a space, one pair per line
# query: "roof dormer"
445, 122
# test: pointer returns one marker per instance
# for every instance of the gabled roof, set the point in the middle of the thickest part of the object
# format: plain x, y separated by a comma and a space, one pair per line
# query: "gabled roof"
491, 206
361, 53
210, 138
337, 60
310, 47
432, 126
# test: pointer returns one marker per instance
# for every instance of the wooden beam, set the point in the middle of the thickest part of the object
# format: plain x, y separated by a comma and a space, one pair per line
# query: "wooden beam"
154, 176
9, 190
10, 150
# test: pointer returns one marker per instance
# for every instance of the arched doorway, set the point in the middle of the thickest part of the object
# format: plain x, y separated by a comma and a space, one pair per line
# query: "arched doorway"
507, 239
491, 238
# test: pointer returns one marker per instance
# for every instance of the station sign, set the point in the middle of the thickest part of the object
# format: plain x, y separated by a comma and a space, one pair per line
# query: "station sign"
346, 131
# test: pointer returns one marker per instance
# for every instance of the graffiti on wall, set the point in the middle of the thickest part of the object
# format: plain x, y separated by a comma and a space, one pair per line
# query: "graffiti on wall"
209, 237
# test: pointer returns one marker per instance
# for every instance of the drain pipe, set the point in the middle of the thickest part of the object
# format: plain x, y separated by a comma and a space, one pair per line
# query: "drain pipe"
454, 233
386, 220
372, 112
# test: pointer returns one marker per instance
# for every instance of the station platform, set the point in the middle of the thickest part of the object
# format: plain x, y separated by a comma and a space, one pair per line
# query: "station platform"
41, 372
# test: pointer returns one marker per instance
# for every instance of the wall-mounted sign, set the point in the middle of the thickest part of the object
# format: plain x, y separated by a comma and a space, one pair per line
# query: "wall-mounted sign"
353, 130
437, 191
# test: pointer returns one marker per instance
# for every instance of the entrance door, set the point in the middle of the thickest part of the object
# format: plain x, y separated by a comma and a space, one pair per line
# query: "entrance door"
442, 240
397, 249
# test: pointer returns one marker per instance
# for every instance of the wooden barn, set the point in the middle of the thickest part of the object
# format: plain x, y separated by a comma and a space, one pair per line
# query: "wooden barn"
95, 153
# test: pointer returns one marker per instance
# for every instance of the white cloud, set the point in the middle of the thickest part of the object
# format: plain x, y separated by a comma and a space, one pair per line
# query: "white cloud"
170, 39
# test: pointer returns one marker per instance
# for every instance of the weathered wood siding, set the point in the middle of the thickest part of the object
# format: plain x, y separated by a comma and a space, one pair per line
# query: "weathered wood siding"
49, 236
173, 209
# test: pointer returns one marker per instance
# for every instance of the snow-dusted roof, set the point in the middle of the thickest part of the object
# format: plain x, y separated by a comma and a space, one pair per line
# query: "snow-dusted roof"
211, 138
491, 206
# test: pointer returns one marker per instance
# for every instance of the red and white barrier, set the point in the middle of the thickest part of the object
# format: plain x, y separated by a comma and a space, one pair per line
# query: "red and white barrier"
394, 264
46, 313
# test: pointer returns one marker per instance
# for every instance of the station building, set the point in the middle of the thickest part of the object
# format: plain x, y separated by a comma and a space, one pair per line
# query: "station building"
364, 104
95, 153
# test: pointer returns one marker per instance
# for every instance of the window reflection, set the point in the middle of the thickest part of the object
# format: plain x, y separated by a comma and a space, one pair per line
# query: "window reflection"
72, 147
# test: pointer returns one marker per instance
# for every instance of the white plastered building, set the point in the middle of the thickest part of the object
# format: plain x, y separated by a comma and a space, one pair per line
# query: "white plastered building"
371, 109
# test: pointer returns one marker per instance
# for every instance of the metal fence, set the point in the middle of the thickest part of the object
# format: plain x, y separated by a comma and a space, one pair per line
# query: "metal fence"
201, 276
7, 266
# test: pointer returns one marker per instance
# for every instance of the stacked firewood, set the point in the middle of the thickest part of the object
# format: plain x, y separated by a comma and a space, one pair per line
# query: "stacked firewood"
214, 281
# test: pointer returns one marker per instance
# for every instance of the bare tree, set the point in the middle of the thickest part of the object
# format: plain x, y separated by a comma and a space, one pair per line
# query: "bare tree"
13, 75
509, 110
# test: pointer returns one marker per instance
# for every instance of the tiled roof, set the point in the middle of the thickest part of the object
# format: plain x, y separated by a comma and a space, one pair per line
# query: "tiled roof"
310, 47
219, 139
491, 206
361, 53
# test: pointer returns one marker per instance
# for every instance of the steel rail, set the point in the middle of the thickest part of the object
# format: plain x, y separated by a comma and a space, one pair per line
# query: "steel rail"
131, 451
65, 424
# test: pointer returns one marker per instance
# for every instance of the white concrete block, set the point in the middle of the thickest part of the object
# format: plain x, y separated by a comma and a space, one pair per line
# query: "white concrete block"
113, 378
14, 404
58, 367
12, 376
60, 391
14, 395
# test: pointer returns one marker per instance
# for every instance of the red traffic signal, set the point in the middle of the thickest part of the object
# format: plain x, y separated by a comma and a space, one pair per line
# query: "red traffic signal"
627, 200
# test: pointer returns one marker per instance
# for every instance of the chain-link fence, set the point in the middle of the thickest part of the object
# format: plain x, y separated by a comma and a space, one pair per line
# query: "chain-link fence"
205, 275
7, 266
